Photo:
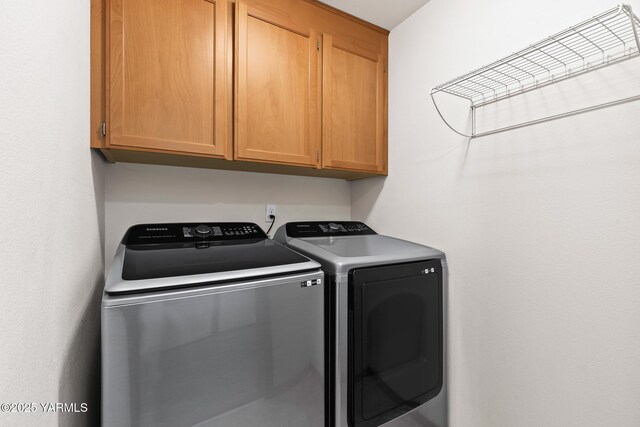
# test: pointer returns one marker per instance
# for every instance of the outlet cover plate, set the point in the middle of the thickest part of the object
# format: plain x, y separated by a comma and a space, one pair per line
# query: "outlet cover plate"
269, 210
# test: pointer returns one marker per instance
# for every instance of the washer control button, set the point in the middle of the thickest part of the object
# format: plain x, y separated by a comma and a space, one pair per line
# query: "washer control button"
203, 230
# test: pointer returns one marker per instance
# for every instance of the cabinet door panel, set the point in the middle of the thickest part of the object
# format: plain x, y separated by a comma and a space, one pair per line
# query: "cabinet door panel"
167, 75
353, 107
278, 90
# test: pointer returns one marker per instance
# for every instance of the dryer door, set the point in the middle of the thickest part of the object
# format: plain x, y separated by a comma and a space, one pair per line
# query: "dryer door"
395, 340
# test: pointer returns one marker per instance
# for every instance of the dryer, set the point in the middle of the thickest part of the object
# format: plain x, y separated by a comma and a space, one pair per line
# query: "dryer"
385, 317
211, 324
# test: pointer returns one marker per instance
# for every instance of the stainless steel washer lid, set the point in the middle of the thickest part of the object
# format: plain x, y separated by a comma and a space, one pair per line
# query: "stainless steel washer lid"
339, 254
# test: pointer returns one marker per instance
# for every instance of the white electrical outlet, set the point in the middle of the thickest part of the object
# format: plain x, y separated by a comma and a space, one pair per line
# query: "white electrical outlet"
268, 211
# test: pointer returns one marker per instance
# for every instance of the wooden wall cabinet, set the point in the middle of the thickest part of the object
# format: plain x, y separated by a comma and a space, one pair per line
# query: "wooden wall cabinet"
278, 89
167, 75
353, 107
282, 86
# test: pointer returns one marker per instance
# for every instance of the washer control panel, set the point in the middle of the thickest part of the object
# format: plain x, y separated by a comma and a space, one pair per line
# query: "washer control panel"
327, 229
192, 232
224, 231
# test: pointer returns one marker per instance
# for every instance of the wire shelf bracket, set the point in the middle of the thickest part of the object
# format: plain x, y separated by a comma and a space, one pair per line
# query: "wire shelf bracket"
605, 39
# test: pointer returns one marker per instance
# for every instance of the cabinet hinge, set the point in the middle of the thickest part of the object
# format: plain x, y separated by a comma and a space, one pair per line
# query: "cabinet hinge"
317, 155
318, 44
103, 130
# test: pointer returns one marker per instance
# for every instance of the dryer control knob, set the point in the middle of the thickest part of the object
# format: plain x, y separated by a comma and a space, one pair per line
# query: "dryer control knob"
334, 227
203, 230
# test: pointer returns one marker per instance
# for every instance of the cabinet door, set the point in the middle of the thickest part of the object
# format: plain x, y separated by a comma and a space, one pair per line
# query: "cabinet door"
168, 75
353, 107
277, 83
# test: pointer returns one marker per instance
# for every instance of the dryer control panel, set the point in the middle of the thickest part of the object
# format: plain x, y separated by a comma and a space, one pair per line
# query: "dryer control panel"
327, 229
192, 232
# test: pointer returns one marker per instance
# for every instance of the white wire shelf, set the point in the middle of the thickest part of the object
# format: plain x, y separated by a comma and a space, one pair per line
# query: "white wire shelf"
607, 38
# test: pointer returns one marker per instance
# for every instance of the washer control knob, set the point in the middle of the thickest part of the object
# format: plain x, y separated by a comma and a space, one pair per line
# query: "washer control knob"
333, 227
203, 230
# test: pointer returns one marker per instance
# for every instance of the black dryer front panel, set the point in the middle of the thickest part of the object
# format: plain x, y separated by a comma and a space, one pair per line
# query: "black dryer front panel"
395, 340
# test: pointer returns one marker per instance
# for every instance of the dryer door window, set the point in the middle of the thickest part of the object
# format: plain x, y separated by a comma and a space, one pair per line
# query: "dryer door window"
395, 340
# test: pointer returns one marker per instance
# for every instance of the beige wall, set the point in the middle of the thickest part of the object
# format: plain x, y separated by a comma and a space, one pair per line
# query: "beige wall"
541, 225
51, 214
146, 194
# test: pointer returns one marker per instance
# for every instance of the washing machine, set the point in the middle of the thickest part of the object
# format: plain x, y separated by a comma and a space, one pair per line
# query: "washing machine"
385, 318
211, 324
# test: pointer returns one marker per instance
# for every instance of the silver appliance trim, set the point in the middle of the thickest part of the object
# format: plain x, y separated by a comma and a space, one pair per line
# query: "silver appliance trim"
109, 301
334, 255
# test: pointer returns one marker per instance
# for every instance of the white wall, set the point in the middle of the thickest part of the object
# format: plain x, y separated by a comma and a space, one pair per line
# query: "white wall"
51, 214
541, 225
147, 193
